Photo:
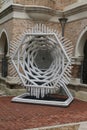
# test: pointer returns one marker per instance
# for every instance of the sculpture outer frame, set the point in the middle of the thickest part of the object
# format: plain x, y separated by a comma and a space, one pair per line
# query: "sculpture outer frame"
62, 78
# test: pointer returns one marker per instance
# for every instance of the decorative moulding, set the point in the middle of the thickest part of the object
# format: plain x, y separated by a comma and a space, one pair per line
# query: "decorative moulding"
40, 12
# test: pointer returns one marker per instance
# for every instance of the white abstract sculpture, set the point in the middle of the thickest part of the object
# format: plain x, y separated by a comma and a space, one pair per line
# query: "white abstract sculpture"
43, 62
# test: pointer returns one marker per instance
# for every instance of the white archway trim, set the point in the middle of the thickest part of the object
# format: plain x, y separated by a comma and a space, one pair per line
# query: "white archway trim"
5, 32
80, 43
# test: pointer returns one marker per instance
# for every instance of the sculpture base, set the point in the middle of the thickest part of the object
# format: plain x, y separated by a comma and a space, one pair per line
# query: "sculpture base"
47, 100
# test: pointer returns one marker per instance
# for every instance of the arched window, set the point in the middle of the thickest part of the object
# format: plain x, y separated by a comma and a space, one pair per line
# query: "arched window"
80, 44
3, 53
81, 53
84, 64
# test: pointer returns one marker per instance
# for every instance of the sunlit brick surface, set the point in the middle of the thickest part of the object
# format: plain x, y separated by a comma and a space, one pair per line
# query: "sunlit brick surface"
17, 116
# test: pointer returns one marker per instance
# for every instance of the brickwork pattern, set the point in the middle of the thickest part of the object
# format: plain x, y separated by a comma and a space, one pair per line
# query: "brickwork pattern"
20, 26
74, 29
17, 116
55, 4
16, 27
76, 71
68, 2
72, 32
47, 3
8, 26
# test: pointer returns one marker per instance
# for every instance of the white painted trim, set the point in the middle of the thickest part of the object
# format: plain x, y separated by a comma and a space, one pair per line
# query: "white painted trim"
77, 16
15, 14
77, 60
6, 18
6, 4
24, 15
80, 43
75, 5
76, 82
59, 126
20, 15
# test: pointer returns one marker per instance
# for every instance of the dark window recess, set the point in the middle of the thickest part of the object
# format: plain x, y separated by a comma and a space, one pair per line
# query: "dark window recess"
84, 65
4, 67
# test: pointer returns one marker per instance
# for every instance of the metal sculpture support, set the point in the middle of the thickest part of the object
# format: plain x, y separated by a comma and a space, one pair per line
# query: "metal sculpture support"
43, 62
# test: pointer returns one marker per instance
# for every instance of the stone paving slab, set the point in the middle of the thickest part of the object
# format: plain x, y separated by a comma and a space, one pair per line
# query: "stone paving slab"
69, 126
18, 116
83, 126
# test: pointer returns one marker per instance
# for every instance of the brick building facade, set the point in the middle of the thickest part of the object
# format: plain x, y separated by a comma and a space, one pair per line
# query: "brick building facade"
17, 16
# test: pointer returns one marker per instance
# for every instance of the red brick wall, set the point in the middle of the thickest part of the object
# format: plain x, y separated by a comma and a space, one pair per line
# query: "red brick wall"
74, 29
8, 26
48, 3
55, 4
16, 27
76, 71
72, 32
68, 2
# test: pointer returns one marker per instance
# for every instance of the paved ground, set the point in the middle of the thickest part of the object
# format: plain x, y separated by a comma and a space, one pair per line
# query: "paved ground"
83, 126
17, 116
69, 126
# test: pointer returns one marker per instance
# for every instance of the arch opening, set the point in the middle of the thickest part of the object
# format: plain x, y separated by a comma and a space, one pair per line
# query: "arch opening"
84, 64
3, 54
80, 44
81, 55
